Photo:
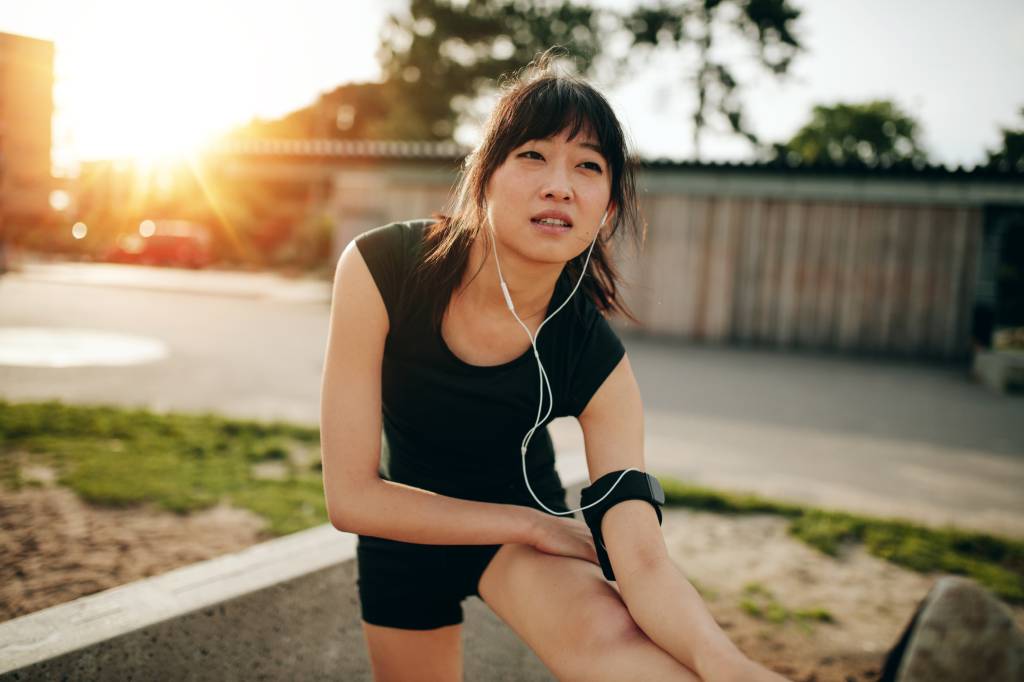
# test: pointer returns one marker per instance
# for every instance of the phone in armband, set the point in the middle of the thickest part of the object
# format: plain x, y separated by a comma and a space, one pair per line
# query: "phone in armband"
635, 485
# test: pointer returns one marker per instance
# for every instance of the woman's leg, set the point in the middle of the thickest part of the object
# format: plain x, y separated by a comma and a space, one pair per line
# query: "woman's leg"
397, 655
573, 619
410, 610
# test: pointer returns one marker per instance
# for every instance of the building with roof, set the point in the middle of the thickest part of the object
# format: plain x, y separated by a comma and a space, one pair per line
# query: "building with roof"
900, 261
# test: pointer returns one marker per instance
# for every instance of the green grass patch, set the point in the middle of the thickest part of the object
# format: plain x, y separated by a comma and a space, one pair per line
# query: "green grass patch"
997, 563
120, 457
759, 602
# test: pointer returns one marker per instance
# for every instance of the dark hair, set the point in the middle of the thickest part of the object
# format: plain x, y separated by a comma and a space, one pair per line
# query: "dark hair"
538, 103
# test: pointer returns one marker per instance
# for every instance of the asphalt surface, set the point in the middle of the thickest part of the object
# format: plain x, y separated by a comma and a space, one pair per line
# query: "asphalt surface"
881, 436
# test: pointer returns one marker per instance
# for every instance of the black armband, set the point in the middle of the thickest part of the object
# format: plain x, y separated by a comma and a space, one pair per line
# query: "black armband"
635, 485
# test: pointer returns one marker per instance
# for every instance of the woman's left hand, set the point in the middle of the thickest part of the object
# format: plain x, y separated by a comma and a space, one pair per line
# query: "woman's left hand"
564, 537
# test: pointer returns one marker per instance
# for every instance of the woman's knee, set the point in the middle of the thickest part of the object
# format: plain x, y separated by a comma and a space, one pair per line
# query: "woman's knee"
596, 616
604, 624
573, 618
605, 639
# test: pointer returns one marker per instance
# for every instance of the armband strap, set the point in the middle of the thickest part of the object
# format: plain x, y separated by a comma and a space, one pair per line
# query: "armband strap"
635, 485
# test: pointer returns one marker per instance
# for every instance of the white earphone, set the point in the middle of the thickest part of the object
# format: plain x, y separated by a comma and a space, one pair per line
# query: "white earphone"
542, 375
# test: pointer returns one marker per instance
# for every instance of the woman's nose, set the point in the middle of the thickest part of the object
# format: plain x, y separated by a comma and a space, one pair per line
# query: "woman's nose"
557, 186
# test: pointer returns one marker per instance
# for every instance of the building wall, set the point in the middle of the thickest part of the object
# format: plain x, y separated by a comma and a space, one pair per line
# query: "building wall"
884, 266
883, 278
26, 111
366, 195
879, 265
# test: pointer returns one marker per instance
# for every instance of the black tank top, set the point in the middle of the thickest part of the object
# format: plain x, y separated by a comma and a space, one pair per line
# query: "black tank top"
456, 428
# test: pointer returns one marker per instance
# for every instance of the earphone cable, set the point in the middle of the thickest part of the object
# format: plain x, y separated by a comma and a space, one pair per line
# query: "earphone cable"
542, 374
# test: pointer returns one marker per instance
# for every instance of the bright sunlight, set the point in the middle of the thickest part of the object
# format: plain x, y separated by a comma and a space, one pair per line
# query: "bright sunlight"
148, 80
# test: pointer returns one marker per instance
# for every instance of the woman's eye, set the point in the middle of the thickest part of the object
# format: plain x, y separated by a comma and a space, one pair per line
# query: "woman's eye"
593, 165
530, 151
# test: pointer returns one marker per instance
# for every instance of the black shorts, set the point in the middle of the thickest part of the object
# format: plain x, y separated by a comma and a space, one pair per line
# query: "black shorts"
417, 587
420, 587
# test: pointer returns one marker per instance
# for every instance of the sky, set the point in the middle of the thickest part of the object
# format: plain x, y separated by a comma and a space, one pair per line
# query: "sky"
146, 77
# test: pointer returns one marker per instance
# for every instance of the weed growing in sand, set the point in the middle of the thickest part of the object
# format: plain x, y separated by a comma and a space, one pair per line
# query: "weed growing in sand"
759, 602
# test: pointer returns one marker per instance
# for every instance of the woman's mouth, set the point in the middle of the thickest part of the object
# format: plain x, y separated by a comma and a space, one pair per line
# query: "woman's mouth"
551, 225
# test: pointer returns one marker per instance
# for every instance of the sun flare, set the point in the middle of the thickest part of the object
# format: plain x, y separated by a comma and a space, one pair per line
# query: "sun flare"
166, 75
144, 79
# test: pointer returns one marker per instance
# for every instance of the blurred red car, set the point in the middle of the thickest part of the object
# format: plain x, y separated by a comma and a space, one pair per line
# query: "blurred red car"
178, 243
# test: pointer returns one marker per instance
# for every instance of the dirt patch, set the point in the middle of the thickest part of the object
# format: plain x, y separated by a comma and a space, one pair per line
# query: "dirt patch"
752, 559
56, 548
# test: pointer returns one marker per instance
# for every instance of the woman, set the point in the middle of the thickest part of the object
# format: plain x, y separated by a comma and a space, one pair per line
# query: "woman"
432, 335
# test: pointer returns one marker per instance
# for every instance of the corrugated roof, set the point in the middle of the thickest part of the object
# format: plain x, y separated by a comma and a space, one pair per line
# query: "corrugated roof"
782, 165
450, 151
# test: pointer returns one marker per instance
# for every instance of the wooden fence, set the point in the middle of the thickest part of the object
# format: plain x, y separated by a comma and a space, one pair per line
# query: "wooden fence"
881, 278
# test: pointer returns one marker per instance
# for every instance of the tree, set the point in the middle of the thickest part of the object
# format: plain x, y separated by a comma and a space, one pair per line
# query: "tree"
1011, 156
872, 133
768, 24
350, 111
442, 54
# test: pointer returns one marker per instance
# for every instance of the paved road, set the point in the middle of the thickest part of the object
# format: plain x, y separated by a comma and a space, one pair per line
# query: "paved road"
885, 437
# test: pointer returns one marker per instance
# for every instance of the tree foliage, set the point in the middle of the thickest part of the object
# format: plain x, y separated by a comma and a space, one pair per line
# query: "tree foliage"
441, 54
351, 111
438, 56
696, 26
872, 133
1011, 155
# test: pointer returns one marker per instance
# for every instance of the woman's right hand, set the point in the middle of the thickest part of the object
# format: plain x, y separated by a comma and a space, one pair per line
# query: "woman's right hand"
563, 536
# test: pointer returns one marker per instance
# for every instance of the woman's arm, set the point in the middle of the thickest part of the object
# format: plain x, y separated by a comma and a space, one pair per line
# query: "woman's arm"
660, 599
358, 500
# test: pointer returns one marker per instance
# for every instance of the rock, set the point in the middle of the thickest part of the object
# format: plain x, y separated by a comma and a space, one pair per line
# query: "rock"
961, 632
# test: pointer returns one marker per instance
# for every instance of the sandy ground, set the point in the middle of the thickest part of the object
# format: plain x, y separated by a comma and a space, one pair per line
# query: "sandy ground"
56, 548
870, 600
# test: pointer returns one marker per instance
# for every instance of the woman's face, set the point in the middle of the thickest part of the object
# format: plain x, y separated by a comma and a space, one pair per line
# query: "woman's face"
545, 202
